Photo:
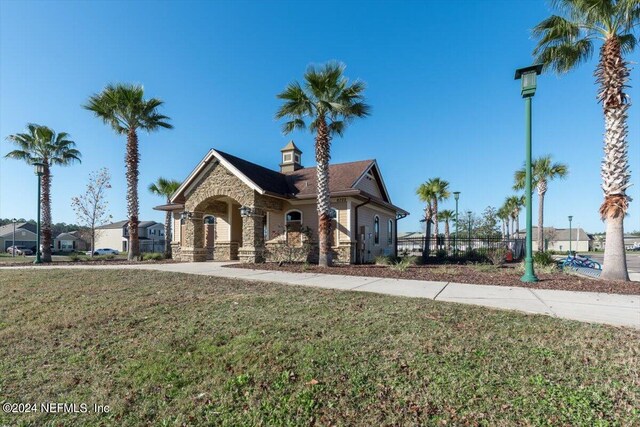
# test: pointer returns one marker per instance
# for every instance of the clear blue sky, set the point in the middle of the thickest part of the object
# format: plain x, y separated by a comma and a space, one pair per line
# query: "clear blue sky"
439, 76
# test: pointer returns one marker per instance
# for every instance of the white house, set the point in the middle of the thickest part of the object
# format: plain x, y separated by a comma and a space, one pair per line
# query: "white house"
116, 236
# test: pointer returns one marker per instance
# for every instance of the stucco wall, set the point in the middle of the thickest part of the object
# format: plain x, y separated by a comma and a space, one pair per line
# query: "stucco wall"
109, 238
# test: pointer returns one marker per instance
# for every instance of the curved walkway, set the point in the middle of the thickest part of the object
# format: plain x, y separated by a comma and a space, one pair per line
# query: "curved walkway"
611, 309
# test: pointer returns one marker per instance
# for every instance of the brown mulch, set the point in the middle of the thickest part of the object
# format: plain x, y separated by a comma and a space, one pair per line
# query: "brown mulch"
470, 274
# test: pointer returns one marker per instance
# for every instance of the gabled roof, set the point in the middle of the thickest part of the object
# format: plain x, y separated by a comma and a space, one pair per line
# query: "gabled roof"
291, 146
7, 229
343, 178
68, 236
120, 224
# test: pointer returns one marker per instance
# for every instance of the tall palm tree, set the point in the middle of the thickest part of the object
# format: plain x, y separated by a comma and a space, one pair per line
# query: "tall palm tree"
565, 42
425, 194
165, 188
43, 144
325, 105
504, 213
543, 171
445, 216
440, 192
123, 107
515, 204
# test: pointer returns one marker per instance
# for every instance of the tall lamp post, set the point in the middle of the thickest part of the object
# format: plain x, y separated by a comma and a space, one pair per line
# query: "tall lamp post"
570, 219
528, 75
39, 169
456, 195
13, 245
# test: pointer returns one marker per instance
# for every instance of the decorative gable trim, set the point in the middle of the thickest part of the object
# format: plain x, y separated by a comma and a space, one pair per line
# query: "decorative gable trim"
374, 171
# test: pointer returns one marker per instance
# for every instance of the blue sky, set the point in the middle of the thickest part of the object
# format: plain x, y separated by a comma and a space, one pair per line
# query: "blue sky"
439, 76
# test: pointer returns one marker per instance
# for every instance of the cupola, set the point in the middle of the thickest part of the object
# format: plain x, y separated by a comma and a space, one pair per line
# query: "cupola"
291, 158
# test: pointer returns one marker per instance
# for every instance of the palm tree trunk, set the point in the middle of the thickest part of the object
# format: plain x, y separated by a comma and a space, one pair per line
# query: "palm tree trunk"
167, 233
446, 234
46, 213
517, 223
323, 146
132, 159
612, 75
541, 216
507, 224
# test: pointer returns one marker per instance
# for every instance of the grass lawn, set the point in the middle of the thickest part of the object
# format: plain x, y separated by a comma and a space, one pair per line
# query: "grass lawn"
173, 349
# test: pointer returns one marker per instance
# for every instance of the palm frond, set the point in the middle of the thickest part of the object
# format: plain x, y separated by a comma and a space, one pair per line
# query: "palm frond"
564, 57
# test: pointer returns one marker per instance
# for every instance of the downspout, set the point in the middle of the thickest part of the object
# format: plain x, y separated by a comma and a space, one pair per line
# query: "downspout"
356, 227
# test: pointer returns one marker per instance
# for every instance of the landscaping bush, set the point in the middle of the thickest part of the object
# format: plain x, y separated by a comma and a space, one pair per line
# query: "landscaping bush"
152, 256
401, 265
497, 256
385, 260
543, 259
441, 254
74, 257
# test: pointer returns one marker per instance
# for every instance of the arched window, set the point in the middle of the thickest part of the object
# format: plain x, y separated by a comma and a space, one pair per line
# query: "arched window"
376, 230
333, 214
390, 232
293, 227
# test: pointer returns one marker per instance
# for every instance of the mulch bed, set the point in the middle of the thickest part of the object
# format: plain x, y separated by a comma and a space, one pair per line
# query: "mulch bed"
506, 276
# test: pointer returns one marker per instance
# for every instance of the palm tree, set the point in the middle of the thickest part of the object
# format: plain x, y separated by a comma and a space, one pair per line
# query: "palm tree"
440, 192
165, 188
123, 107
543, 171
445, 216
325, 105
425, 194
44, 145
504, 213
515, 204
564, 43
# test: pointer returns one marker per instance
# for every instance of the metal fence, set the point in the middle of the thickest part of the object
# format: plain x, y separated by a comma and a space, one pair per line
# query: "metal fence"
458, 247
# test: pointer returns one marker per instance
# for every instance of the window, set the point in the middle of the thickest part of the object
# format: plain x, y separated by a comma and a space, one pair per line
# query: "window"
333, 236
297, 157
390, 232
376, 230
293, 228
286, 157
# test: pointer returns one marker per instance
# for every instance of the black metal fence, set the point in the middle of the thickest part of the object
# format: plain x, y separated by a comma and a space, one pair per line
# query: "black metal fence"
459, 247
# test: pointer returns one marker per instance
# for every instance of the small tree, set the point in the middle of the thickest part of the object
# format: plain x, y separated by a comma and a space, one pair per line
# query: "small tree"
91, 208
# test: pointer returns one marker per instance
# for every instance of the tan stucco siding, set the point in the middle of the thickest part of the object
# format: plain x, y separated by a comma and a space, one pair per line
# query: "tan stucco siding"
366, 218
370, 185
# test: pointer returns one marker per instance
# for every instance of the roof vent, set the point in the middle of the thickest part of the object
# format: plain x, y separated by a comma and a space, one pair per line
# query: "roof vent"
291, 158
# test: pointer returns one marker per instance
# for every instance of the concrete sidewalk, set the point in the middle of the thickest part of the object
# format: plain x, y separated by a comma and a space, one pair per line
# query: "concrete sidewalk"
611, 309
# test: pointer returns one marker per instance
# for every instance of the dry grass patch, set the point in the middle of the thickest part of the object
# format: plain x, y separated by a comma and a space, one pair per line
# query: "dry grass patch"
173, 349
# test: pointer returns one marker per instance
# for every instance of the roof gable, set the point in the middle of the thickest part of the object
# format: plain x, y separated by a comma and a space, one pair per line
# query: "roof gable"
7, 229
375, 185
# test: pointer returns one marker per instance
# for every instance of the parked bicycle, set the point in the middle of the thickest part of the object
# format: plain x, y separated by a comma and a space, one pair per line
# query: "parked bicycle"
577, 260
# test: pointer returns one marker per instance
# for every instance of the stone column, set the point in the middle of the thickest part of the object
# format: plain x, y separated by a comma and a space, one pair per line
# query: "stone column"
252, 249
194, 249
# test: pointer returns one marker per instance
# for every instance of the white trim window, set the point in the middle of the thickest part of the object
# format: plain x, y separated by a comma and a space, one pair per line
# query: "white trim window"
293, 227
390, 232
376, 230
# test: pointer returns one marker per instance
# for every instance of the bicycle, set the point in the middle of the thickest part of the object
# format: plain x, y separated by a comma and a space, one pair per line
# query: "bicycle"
577, 260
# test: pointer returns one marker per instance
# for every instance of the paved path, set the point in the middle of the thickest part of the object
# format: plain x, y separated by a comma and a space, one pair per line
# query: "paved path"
612, 309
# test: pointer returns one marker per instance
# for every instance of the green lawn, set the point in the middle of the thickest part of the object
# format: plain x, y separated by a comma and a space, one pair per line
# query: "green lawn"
172, 349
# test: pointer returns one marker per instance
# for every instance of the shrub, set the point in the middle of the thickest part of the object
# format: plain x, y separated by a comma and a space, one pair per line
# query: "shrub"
543, 259
74, 257
441, 254
497, 256
413, 260
385, 260
401, 265
152, 256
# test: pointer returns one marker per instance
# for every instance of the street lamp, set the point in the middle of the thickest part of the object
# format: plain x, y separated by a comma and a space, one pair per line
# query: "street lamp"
570, 219
39, 170
13, 245
456, 195
469, 213
245, 211
528, 75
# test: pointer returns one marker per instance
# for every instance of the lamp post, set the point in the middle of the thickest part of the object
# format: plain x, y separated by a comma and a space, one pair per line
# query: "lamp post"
39, 169
13, 245
456, 195
528, 75
469, 213
570, 219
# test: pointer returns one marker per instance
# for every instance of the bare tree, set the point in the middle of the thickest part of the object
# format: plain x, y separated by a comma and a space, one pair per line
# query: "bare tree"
91, 208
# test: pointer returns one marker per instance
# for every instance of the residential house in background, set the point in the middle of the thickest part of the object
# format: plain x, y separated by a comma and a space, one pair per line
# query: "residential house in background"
25, 235
411, 242
557, 239
116, 236
69, 242
229, 208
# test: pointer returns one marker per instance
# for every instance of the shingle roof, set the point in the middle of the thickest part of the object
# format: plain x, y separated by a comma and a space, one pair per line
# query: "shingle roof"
8, 228
67, 236
267, 179
342, 177
120, 224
